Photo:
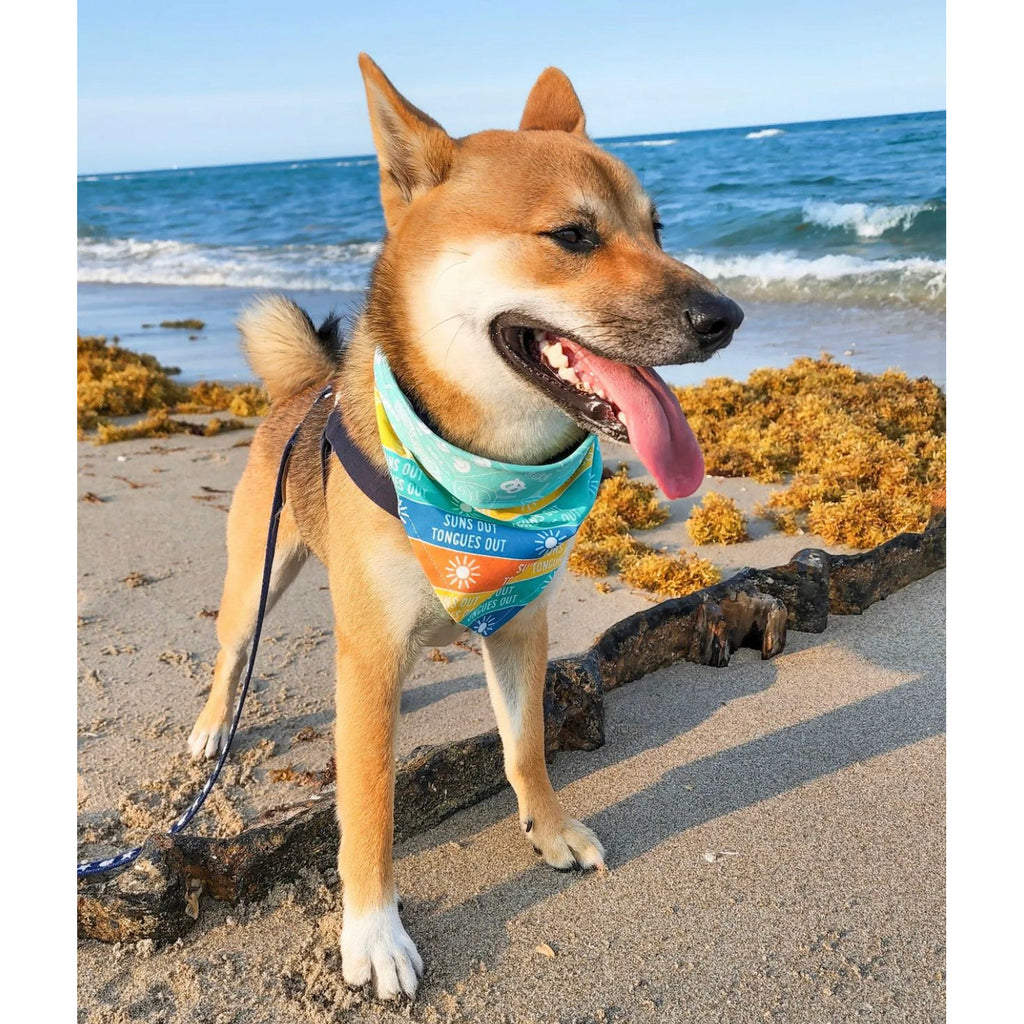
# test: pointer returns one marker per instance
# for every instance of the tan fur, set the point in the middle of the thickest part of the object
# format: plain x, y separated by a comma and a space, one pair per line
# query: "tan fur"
282, 347
466, 241
553, 106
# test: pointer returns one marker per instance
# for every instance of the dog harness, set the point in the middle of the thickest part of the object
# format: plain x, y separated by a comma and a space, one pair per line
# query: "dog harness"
489, 535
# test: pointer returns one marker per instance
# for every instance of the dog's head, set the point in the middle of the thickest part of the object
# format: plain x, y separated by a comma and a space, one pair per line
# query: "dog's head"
522, 293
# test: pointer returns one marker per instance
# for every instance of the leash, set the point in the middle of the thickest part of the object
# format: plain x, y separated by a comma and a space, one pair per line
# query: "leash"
95, 867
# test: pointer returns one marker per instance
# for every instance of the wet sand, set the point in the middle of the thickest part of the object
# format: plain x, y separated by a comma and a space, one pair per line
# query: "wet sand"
773, 333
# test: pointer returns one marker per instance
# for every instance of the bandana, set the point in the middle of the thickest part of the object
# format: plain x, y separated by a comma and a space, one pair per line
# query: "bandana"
489, 535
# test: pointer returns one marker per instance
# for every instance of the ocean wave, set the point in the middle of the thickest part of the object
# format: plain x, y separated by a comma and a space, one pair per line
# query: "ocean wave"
840, 279
764, 133
640, 142
863, 219
342, 267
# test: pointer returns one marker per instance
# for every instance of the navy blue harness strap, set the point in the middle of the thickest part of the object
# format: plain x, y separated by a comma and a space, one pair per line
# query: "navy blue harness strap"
86, 868
377, 486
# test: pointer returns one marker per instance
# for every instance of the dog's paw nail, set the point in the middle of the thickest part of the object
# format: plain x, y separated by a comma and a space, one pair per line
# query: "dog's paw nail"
572, 847
207, 741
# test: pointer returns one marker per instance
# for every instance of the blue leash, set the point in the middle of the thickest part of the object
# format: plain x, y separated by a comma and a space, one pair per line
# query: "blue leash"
95, 867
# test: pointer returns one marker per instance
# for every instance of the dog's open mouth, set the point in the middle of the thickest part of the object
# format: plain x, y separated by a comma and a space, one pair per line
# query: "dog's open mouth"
620, 401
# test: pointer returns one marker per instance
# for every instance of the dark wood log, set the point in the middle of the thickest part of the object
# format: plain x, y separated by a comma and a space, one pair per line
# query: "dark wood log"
802, 585
857, 581
573, 706
147, 900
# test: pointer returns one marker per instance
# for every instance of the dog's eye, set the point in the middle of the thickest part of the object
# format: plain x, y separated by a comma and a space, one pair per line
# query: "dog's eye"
574, 238
658, 227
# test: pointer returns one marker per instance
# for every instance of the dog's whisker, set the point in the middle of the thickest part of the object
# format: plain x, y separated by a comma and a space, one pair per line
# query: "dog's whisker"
438, 324
450, 266
452, 342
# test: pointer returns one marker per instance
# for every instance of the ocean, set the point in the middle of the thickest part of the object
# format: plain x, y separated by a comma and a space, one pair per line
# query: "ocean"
830, 234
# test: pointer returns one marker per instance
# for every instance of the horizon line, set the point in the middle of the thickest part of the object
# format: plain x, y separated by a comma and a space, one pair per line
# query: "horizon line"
80, 175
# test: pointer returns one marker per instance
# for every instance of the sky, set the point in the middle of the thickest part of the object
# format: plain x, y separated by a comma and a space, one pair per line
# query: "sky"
183, 83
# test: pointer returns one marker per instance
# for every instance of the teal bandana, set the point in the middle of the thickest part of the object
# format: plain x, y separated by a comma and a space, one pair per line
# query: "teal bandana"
489, 535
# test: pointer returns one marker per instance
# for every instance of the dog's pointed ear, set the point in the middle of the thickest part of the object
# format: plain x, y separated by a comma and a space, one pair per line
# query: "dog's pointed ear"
553, 105
414, 151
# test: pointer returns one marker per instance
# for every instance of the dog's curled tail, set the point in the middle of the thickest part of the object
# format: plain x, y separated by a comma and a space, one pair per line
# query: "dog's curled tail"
284, 348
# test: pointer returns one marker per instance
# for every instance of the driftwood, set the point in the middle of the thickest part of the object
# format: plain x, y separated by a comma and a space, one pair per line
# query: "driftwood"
158, 896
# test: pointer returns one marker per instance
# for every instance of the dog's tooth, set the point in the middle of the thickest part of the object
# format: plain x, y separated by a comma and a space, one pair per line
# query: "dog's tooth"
599, 391
555, 356
567, 373
622, 419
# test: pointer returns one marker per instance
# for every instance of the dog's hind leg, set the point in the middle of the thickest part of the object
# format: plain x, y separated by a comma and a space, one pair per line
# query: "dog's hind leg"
236, 618
515, 660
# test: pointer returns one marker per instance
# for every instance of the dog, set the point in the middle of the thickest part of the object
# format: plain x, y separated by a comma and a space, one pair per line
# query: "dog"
520, 297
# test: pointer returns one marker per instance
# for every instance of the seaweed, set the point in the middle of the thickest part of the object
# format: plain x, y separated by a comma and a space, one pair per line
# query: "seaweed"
634, 502
160, 424
862, 456
605, 544
717, 520
191, 324
113, 381
239, 400
670, 575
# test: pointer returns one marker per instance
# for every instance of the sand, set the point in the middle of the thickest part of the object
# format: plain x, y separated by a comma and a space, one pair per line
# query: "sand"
775, 829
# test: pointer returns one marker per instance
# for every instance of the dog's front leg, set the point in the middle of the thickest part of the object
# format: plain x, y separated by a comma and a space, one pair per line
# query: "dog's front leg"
515, 659
371, 663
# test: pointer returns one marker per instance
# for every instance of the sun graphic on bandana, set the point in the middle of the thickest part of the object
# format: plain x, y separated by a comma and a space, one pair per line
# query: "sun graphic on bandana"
462, 572
486, 625
548, 540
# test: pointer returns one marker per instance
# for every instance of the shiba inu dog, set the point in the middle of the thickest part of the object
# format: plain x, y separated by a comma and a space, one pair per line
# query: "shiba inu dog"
520, 299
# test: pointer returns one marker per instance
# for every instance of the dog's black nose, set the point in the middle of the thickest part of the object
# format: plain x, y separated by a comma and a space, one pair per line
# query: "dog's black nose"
712, 319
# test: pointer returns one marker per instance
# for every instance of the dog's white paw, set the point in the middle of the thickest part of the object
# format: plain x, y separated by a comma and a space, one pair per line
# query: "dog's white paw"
569, 845
376, 945
209, 736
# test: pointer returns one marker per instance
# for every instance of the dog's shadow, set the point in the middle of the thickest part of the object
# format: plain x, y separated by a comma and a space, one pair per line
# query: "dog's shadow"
641, 717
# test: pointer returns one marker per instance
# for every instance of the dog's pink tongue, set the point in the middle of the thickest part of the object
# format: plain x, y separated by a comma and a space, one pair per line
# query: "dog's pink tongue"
658, 430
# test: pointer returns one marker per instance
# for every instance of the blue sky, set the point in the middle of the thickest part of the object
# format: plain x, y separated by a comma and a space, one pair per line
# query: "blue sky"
188, 83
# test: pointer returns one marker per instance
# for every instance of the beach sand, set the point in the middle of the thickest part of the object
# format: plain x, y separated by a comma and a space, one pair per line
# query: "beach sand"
775, 830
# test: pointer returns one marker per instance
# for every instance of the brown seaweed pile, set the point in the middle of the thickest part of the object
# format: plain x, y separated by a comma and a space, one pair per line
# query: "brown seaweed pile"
863, 456
113, 381
604, 543
160, 424
189, 324
717, 520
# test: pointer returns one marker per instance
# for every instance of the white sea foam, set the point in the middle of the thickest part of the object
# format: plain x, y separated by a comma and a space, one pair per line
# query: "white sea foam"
764, 133
772, 275
641, 142
315, 267
864, 220
833, 278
